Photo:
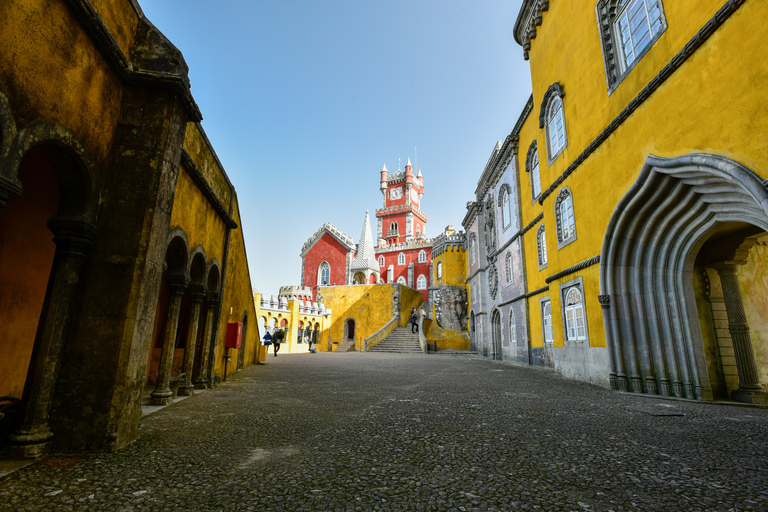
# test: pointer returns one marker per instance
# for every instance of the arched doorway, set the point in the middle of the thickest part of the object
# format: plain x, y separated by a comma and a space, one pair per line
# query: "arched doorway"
349, 329
496, 334
683, 215
472, 338
51, 188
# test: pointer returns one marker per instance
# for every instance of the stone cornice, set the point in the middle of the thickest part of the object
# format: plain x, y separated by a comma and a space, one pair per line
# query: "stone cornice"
343, 238
131, 73
529, 17
197, 176
572, 270
677, 61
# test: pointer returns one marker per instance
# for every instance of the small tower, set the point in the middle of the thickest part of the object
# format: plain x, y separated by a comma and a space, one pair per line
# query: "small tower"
364, 263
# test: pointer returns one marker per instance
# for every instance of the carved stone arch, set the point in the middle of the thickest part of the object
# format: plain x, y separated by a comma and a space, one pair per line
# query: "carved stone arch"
555, 90
177, 253
78, 180
198, 266
532, 149
502, 188
213, 276
653, 237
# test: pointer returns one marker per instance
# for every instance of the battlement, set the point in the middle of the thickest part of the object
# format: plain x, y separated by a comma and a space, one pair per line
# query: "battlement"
425, 243
449, 241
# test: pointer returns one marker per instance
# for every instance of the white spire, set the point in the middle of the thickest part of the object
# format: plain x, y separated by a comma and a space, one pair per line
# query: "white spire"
419, 175
365, 259
409, 162
384, 168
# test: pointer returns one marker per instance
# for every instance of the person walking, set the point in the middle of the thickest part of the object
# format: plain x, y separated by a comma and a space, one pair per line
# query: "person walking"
277, 339
414, 321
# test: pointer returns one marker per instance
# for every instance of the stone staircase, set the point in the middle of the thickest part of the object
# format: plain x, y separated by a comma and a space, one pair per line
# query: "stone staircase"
346, 346
401, 340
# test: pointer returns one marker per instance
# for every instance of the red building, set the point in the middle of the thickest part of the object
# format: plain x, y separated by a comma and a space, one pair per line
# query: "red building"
403, 253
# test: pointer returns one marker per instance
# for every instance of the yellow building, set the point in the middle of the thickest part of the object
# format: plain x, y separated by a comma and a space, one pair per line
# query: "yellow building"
294, 312
446, 327
124, 266
644, 150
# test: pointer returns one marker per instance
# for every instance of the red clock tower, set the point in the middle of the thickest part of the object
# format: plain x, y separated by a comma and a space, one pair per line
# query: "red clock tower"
404, 252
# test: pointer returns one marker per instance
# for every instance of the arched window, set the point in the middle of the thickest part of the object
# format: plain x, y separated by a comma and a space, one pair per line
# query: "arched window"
439, 269
393, 229
575, 326
541, 243
566, 225
422, 256
401, 259
532, 166
556, 127
421, 282
325, 274
506, 218
381, 261
401, 280
472, 246
546, 321
512, 327
508, 265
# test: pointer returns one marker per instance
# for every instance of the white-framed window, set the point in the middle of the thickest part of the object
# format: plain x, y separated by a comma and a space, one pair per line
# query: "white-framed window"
325, 274
381, 261
422, 256
505, 211
555, 127
541, 246
401, 280
573, 311
546, 321
512, 328
401, 259
564, 218
439, 269
628, 29
635, 27
508, 265
421, 282
532, 166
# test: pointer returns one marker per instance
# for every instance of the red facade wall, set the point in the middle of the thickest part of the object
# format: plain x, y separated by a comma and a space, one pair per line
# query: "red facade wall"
326, 249
411, 255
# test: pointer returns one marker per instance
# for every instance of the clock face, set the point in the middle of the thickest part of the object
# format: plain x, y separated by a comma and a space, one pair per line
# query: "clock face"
414, 195
396, 193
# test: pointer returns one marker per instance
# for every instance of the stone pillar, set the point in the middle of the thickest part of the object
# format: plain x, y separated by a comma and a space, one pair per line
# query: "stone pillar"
162, 395
197, 294
203, 380
73, 239
8, 190
749, 389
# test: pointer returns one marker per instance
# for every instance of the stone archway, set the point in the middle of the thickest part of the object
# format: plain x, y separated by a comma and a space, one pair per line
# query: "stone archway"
52, 178
653, 239
349, 329
496, 335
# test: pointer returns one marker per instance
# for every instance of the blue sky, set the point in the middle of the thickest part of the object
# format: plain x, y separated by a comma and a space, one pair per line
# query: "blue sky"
304, 101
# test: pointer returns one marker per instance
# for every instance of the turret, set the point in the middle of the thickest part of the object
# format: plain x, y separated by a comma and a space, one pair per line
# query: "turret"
408, 172
383, 186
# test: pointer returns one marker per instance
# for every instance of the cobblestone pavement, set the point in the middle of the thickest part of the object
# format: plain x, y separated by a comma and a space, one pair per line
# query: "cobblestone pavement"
411, 432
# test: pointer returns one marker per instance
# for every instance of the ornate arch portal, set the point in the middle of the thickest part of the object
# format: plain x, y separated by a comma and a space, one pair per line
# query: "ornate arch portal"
653, 239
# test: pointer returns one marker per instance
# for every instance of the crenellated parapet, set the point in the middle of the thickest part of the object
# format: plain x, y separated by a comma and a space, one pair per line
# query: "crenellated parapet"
423, 243
449, 241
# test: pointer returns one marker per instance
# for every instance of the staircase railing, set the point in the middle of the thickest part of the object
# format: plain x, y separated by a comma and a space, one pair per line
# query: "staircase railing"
381, 334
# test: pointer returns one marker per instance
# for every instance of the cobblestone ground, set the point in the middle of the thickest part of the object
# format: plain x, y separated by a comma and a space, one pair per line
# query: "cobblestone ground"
410, 432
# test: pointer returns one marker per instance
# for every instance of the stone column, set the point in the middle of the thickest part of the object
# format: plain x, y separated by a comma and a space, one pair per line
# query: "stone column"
203, 380
8, 190
749, 389
162, 395
197, 294
73, 239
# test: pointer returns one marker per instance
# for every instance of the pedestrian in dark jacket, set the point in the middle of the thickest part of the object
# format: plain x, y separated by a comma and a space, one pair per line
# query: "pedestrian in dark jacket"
277, 339
414, 321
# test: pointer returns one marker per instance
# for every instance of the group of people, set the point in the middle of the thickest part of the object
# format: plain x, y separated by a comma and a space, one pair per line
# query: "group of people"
276, 338
414, 321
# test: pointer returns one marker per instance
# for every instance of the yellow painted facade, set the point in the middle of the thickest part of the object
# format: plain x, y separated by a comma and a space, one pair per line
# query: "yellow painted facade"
295, 318
449, 268
370, 307
711, 104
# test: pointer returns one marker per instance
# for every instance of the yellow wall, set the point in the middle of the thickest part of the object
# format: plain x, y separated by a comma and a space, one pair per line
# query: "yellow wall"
371, 306
38, 37
710, 105
454, 267
293, 316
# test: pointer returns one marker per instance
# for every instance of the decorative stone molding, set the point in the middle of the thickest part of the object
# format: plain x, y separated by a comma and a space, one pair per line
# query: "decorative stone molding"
194, 172
554, 90
343, 238
564, 194
576, 268
648, 246
529, 17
